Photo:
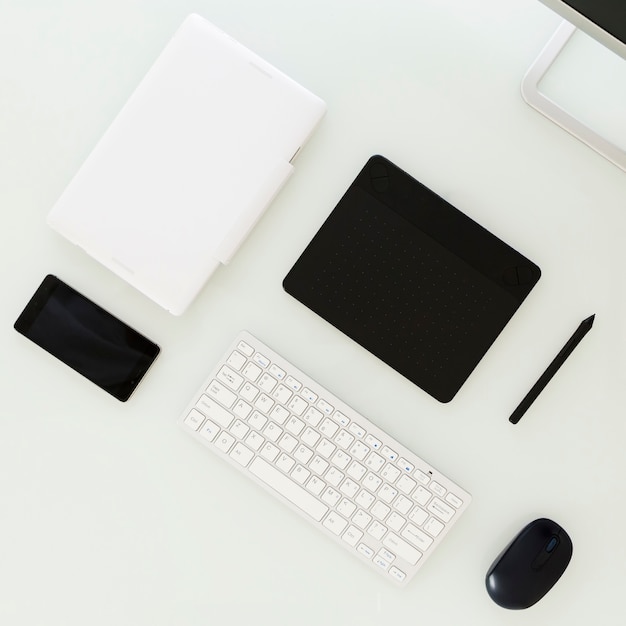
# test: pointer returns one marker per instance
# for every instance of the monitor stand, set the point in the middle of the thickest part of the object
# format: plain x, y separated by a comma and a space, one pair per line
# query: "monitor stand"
609, 66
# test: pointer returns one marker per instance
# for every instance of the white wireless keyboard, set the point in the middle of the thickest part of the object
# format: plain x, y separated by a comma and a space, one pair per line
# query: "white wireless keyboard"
343, 474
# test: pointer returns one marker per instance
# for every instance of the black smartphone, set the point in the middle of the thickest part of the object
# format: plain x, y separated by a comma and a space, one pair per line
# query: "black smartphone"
84, 336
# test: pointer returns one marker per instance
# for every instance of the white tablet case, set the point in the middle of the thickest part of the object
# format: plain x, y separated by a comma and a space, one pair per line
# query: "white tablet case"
188, 166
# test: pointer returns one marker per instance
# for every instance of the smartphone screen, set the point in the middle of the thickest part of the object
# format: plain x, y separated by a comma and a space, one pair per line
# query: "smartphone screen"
87, 338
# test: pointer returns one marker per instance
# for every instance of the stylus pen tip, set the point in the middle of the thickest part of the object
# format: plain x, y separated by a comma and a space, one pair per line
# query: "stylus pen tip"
589, 320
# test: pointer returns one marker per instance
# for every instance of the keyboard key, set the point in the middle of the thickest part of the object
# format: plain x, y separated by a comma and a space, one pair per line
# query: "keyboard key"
455, 501
433, 527
288, 443
293, 384
242, 409
374, 462
331, 496
285, 463
236, 360
272, 432
376, 530
254, 440
403, 505
277, 372
242, 346
349, 488
318, 465
440, 509
310, 436
341, 419
261, 359
264, 403
308, 395
297, 405
356, 470
300, 474
257, 420
279, 414
359, 450
341, 459
406, 484
385, 554
294, 426
224, 442
335, 523
387, 493
422, 477
380, 510
334, 477
365, 550
398, 574
209, 430
356, 430
390, 473
325, 407
220, 393
194, 419
372, 482
402, 548
249, 392
252, 371
282, 394
405, 466
329, 428
325, 448
346, 508
230, 378
344, 439
373, 443
419, 516
437, 489
241, 454
316, 485
388, 453
421, 495
313, 417
270, 452
303, 454
214, 411
361, 519
417, 537
352, 536
365, 499
267, 383
239, 429
396, 521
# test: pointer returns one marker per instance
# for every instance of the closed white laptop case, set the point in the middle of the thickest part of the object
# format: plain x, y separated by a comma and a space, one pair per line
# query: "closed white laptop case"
188, 166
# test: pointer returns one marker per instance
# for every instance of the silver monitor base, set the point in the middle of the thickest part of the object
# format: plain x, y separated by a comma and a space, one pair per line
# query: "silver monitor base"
535, 98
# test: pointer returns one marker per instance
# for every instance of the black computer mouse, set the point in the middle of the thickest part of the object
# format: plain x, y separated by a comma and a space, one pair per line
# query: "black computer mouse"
530, 565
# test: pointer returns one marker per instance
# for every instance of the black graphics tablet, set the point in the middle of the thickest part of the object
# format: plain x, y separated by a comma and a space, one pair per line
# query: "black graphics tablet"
411, 278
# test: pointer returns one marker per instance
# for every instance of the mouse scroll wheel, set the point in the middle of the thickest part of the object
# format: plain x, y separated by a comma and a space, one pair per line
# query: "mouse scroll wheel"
545, 554
552, 543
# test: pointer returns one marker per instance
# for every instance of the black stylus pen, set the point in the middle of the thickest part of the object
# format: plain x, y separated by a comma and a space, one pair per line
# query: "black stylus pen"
551, 370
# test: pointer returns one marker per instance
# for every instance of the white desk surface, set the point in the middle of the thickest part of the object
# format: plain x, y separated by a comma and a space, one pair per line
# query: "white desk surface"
111, 515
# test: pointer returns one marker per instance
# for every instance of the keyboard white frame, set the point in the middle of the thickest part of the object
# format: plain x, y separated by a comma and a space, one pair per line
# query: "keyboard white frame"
338, 405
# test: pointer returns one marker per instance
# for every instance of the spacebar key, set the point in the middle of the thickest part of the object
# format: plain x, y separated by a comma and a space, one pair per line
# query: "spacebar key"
287, 488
